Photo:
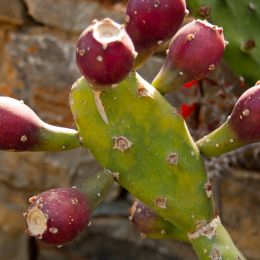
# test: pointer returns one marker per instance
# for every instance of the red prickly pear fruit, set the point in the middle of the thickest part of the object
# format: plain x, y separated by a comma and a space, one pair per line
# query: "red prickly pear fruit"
151, 225
241, 128
143, 218
22, 130
151, 22
245, 117
57, 216
19, 125
105, 53
194, 52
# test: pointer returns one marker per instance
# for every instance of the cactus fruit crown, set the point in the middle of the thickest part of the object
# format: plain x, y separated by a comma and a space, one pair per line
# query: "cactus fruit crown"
107, 31
141, 141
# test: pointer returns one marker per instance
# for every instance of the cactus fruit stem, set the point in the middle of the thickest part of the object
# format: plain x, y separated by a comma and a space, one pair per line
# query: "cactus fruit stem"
211, 241
142, 57
96, 187
169, 80
54, 138
220, 141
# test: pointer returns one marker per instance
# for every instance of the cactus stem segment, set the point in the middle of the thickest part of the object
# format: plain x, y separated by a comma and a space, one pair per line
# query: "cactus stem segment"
205, 229
212, 242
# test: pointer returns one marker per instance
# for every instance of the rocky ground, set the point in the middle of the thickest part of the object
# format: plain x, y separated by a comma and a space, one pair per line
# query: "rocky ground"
37, 46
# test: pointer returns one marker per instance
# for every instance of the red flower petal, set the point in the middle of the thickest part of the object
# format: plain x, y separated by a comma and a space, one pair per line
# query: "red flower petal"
187, 110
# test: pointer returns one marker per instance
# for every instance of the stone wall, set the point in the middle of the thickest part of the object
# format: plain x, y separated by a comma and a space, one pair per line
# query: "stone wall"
37, 39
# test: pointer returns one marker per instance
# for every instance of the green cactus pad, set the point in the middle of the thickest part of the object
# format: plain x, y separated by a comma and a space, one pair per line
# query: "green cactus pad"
240, 20
146, 146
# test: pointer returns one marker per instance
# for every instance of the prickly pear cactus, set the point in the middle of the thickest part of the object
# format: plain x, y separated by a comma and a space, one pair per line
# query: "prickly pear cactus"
145, 143
240, 20
140, 140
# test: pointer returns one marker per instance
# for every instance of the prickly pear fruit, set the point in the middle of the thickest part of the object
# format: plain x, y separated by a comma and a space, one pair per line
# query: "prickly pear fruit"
245, 118
58, 215
195, 51
151, 225
242, 126
22, 130
241, 25
149, 23
105, 53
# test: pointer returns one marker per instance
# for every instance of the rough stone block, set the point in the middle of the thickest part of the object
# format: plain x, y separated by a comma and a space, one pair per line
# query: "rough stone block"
71, 15
12, 12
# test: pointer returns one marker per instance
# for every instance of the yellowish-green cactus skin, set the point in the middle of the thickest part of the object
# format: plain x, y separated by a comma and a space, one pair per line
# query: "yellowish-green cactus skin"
147, 146
214, 243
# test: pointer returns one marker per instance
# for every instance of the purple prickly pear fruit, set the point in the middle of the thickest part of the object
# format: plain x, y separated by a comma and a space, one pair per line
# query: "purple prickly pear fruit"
105, 53
143, 217
242, 126
22, 130
57, 216
151, 225
18, 125
149, 23
245, 117
194, 52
